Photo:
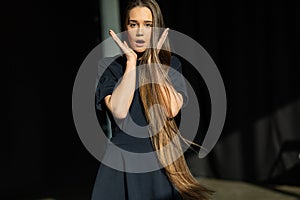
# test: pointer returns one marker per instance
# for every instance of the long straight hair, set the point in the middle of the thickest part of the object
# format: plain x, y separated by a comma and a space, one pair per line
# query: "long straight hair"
163, 131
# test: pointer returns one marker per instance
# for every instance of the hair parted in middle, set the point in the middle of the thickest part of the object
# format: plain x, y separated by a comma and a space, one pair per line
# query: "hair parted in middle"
163, 131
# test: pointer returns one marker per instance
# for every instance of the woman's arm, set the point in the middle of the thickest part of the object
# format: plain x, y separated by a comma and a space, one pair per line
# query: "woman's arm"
176, 100
176, 87
120, 100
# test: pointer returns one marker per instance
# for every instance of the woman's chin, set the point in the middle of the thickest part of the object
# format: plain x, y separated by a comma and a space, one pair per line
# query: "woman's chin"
139, 49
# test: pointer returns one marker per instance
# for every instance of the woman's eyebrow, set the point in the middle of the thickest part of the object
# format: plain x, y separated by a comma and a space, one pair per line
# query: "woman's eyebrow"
146, 21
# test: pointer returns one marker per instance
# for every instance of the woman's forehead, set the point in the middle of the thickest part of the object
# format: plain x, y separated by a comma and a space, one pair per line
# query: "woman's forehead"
140, 14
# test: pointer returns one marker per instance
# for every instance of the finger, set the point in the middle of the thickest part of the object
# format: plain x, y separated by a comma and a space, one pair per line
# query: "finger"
128, 49
162, 38
126, 44
117, 40
164, 35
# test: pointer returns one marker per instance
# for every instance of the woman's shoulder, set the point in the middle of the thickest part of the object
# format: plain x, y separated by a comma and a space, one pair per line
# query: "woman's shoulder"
175, 62
174, 58
114, 65
113, 62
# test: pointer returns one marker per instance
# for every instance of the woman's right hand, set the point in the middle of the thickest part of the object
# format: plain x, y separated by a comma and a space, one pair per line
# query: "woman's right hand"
130, 54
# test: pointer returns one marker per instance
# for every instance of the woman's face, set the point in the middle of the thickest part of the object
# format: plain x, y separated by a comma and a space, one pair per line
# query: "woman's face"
139, 28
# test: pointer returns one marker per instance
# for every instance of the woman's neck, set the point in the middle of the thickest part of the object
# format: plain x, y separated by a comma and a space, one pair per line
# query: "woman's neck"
139, 55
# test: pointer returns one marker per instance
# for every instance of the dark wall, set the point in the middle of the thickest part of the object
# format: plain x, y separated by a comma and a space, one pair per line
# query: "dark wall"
255, 45
44, 45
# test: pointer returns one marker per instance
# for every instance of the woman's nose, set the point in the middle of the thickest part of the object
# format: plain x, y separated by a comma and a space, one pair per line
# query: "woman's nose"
139, 32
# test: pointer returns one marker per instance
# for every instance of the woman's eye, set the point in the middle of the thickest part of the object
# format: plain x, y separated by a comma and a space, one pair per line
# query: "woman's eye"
132, 25
148, 25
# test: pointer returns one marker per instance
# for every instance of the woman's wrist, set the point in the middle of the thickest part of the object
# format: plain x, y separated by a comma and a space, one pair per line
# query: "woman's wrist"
130, 64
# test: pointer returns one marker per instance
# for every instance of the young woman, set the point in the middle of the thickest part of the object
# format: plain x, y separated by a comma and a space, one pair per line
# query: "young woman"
157, 85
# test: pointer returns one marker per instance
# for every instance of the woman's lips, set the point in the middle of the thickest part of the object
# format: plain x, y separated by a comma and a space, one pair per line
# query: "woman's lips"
139, 43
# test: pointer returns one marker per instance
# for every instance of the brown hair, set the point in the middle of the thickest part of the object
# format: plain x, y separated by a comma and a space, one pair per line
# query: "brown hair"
163, 131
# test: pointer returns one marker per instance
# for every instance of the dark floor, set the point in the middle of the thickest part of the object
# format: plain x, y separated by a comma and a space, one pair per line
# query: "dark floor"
230, 190
225, 190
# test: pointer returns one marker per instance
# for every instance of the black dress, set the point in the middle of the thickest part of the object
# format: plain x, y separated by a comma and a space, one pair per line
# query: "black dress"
112, 184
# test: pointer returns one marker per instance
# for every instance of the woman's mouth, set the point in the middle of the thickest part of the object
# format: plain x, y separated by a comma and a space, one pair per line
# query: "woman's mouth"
139, 43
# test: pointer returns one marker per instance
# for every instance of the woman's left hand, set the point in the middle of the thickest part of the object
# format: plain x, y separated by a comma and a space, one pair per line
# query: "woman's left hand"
162, 38
160, 42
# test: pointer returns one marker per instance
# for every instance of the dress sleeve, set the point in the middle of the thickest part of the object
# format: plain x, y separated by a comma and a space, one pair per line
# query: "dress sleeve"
177, 79
105, 86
